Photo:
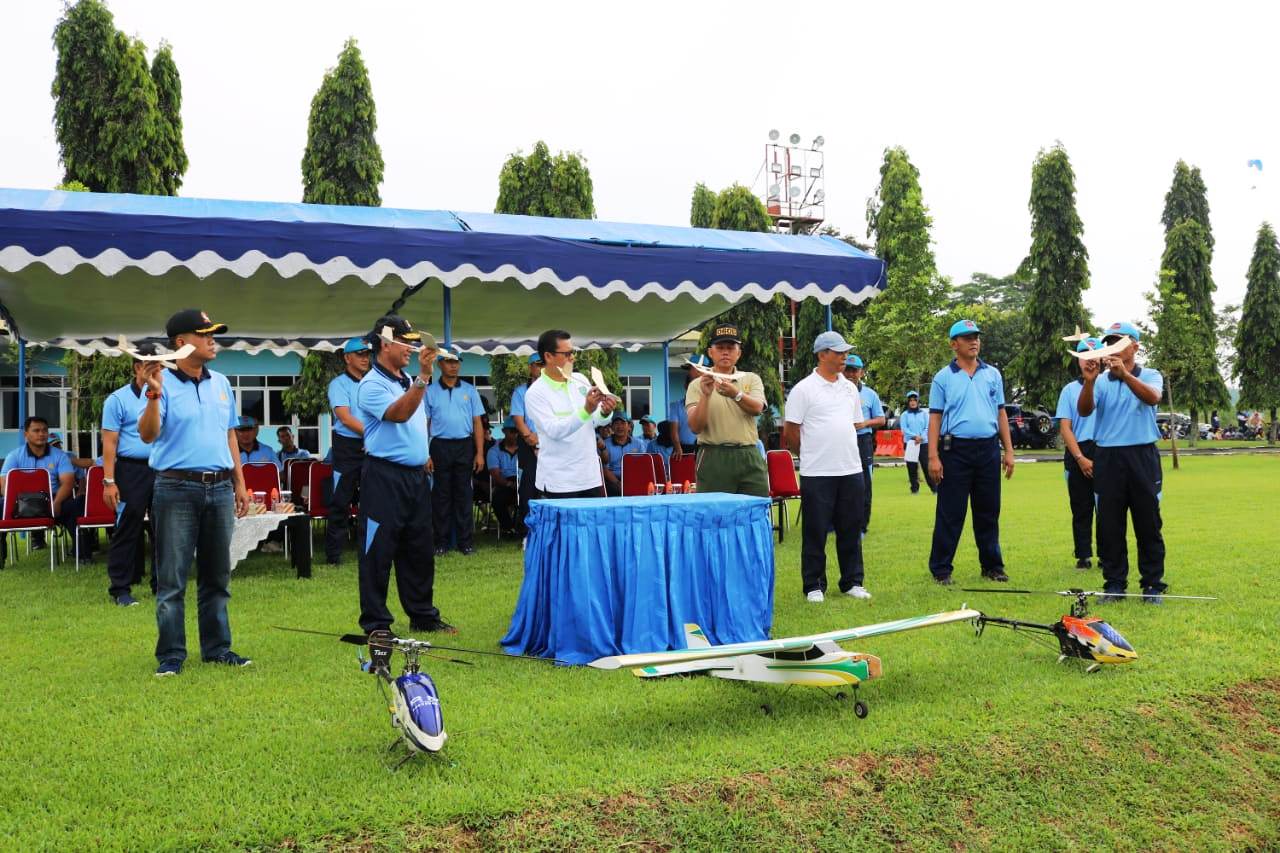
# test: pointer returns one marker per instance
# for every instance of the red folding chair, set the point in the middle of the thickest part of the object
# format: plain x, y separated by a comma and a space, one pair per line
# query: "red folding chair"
287, 474
684, 470
659, 467
21, 481
97, 514
316, 504
637, 474
783, 484
261, 477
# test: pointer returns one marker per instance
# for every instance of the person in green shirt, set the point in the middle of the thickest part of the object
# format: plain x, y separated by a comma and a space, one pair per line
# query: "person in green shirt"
722, 412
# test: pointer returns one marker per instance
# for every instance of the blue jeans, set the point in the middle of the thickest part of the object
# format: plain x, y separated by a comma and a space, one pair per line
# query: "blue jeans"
192, 519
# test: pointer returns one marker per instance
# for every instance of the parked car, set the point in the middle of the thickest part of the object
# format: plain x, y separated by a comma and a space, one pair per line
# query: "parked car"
1182, 422
1034, 429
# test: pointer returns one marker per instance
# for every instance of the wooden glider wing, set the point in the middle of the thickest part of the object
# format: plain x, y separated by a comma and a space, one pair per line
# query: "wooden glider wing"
788, 644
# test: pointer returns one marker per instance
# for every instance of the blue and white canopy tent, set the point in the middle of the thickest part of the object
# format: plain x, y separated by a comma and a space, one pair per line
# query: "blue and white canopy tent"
78, 270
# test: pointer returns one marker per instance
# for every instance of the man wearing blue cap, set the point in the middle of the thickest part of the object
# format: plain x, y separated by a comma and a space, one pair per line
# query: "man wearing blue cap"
503, 460
966, 413
1127, 478
346, 446
821, 413
252, 450
1079, 449
872, 418
458, 429
914, 424
528, 432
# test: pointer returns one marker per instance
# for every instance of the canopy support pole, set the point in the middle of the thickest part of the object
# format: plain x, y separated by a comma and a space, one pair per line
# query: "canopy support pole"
828, 318
22, 382
448, 318
666, 377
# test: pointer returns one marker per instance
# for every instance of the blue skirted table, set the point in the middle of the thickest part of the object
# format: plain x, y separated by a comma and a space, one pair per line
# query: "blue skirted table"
608, 576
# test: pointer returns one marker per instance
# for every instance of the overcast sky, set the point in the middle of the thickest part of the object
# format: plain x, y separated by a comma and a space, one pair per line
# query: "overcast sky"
659, 96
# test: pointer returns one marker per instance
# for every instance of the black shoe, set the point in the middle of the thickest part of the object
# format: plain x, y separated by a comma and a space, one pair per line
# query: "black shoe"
1084, 563
466, 552
996, 575
438, 626
1152, 596
946, 581
1111, 597
440, 552
229, 658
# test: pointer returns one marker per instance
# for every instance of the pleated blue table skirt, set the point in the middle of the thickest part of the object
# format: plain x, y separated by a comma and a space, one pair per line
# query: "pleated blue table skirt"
607, 576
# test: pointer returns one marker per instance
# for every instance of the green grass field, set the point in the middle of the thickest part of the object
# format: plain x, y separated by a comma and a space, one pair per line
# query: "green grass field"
971, 743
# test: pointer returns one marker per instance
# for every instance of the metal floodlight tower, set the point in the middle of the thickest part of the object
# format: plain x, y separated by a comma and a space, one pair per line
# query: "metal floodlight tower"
795, 194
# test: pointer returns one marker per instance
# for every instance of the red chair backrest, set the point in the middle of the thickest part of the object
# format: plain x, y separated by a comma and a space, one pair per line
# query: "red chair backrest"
637, 474
21, 481
296, 472
659, 467
317, 475
95, 506
685, 469
261, 477
782, 474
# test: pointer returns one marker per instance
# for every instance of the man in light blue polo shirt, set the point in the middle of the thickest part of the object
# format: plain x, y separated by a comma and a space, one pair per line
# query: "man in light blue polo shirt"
128, 483
1079, 450
618, 445
503, 461
288, 449
346, 446
872, 419
189, 421
395, 503
36, 452
252, 450
458, 430
528, 433
1127, 478
966, 413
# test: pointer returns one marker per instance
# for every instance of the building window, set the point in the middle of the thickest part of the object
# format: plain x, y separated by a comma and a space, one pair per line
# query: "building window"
46, 397
637, 396
262, 398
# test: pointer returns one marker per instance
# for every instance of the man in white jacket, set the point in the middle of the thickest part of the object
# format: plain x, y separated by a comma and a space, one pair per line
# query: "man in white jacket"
566, 409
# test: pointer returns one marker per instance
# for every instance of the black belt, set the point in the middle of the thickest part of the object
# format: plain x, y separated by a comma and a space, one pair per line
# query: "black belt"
414, 468
132, 461
206, 477
442, 438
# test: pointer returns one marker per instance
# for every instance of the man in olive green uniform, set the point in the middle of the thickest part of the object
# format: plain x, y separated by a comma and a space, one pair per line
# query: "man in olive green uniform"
722, 412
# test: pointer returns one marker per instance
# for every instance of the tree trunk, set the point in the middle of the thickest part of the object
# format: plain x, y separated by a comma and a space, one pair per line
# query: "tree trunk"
73, 417
1173, 430
1272, 428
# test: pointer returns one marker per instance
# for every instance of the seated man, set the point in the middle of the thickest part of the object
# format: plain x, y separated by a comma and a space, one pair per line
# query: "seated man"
251, 450
288, 449
35, 452
503, 461
648, 434
619, 444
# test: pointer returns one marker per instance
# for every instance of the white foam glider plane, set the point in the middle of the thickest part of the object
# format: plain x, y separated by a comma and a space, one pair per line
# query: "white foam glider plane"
813, 661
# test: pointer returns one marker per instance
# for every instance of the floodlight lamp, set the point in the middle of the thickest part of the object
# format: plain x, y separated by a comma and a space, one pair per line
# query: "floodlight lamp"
774, 189
773, 135
818, 197
795, 139
815, 172
795, 192
818, 142
776, 168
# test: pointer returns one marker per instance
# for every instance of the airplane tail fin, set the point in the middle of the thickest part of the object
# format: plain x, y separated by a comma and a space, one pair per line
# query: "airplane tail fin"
694, 638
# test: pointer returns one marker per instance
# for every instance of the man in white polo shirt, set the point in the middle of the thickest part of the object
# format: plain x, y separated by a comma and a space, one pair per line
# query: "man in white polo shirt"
821, 410
567, 410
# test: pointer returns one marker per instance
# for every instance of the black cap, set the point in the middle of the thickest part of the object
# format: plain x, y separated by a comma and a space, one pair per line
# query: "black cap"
399, 326
192, 320
145, 349
724, 333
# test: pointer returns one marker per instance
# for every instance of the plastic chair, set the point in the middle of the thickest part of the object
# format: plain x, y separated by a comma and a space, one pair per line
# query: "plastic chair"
20, 481
638, 474
684, 469
261, 477
783, 484
97, 514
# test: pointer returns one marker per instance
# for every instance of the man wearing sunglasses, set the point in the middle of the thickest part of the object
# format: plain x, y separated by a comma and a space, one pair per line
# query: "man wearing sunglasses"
567, 409
1127, 478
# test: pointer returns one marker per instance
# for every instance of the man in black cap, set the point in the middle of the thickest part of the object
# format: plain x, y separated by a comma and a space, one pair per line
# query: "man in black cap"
189, 421
722, 411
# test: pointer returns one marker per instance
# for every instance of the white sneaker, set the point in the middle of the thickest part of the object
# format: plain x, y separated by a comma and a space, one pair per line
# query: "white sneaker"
858, 592
814, 597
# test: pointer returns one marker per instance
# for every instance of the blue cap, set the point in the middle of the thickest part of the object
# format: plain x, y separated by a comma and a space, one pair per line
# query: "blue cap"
509, 423
619, 415
964, 327
853, 361
831, 341
356, 345
1087, 344
54, 436
1123, 329
911, 394
535, 359
245, 422
648, 420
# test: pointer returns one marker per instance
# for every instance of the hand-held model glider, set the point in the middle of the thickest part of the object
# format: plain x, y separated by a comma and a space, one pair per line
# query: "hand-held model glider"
1077, 337
718, 377
598, 378
168, 359
1080, 636
425, 341
813, 661
414, 703
1102, 352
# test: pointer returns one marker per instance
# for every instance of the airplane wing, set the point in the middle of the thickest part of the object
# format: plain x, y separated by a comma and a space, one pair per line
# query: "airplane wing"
788, 644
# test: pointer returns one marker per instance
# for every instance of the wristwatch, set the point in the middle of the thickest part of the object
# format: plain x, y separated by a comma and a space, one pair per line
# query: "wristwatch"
739, 396
419, 382
108, 481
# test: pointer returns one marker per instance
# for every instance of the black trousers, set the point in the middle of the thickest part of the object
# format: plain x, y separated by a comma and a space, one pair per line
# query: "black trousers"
1129, 480
451, 495
135, 480
914, 470
827, 502
528, 461
395, 527
348, 461
1080, 495
970, 478
867, 451
503, 499
595, 492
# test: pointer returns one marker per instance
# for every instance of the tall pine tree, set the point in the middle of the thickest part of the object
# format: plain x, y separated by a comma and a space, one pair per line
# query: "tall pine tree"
1187, 199
1057, 268
1257, 341
173, 154
703, 207
901, 337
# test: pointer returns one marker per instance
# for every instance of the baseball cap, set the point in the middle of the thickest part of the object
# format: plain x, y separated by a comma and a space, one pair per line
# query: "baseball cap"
55, 438
395, 326
724, 333
648, 420
963, 327
192, 320
853, 361
831, 341
246, 422
1122, 328
145, 349
356, 345
619, 416
911, 394
509, 423
449, 355
535, 359
1087, 344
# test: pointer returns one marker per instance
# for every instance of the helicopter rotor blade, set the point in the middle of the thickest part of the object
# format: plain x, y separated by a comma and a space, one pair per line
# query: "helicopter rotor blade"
496, 654
1140, 595
1009, 591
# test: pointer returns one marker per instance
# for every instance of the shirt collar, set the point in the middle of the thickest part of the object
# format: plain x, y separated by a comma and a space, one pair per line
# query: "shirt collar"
403, 381
48, 450
955, 365
553, 382
183, 377
137, 392
1137, 371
